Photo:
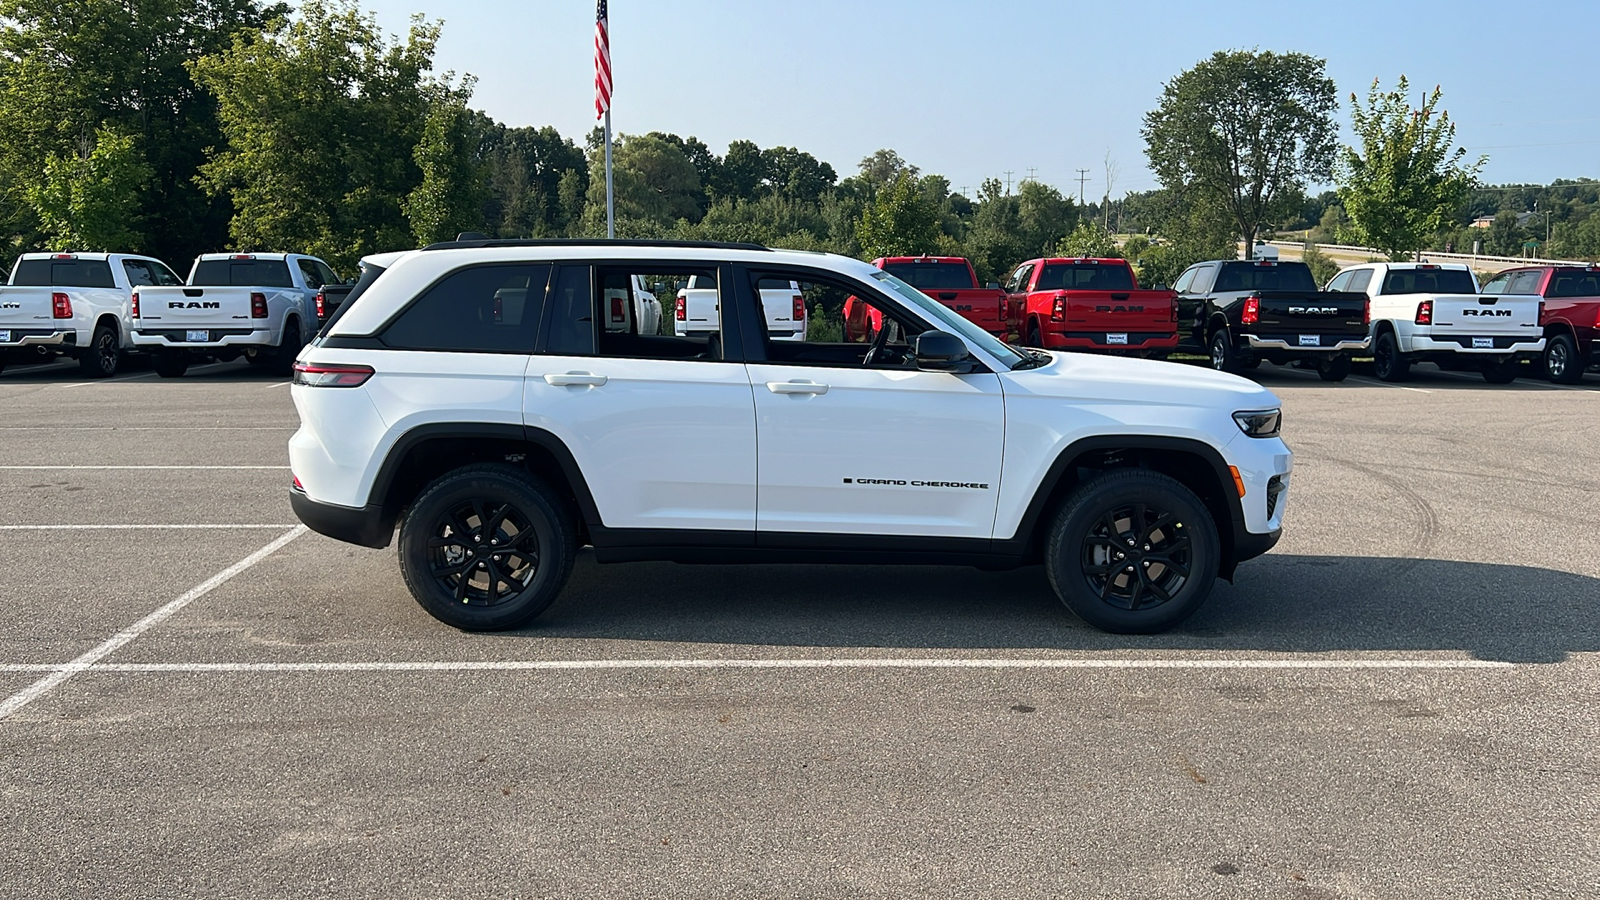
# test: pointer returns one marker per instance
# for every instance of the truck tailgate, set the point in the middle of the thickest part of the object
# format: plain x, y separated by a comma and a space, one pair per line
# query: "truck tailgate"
1490, 315
29, 309
199, 307
982, 307
1310, 318
1120, 311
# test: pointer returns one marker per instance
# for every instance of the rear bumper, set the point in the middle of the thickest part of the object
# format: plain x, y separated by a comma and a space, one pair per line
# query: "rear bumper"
220, 337
1500, 345
1132, 341
366, 526
1335, 345
39, 337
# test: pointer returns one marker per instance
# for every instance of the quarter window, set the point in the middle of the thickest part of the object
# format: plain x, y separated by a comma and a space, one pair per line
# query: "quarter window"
1525, 283
1360, 280
1340, 282
1497, 285
481, 309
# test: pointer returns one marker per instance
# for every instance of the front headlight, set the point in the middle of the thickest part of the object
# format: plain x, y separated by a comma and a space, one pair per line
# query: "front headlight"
1260, 423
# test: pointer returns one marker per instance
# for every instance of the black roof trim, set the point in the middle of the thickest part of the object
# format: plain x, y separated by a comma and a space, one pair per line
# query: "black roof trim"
473, 242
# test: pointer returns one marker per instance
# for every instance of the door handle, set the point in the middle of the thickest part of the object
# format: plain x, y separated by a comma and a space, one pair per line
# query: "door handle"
575, 378
796, 387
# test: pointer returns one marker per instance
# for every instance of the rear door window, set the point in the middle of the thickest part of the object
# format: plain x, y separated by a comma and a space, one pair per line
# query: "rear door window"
1525, 283
1575, 283
309, 272
1360, 281
1340, 281
479, 309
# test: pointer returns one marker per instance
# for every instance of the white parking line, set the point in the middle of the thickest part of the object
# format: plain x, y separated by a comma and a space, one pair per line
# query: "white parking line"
1384, 384
87, 660
132, 377
97, 527
52, 468
542, 665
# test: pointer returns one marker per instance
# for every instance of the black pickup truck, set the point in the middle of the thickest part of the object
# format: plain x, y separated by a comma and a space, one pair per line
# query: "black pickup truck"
1240, 312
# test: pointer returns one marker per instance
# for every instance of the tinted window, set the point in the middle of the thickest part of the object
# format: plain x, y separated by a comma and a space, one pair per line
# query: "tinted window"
327, 275
571, 315
1248, 276
1080, 277
242, 273
88, 273
1203, 277
1184, 280
1497, 285
1429, 281
936, 276
1524, 283
1340, 282
164, 276
491, 309
1575, 283
369, 274
309, 272
1361, 280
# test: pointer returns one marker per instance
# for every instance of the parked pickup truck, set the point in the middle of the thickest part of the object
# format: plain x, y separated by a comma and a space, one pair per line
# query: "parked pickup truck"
696, 311
261, 305
1431, 312
1570, 314
76, 305
1240, 312
1090, 304
952, 281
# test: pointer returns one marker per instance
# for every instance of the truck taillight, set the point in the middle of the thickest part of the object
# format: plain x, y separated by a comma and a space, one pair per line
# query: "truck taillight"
1058, 311
315, 375
322, 305
1424, 313
60, 306
618, 314
133, 302
1252, 311
258, 306
681, 311
799, 308
1541, 313
1366, 312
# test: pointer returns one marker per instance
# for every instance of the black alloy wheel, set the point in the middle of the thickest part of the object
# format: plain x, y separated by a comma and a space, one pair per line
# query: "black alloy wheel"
1335, 369
1224, 358
1561, 362
1133, 552
282, 360
486, 547
1387, 362
101, 358
171, 363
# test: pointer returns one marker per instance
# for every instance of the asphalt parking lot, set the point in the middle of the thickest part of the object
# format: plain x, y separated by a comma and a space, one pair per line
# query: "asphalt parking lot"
1401, 700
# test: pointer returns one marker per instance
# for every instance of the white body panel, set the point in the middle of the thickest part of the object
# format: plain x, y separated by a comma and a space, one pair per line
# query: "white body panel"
26, 312
822, 454
170, 317
1502, 323
701, 315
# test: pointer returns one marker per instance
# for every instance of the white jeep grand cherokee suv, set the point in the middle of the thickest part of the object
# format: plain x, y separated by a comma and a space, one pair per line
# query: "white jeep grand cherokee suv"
470, 393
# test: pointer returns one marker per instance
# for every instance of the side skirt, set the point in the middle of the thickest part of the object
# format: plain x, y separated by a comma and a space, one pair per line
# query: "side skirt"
721, 547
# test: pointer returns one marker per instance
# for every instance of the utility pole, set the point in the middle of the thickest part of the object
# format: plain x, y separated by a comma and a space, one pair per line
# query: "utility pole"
1008, 182
1031, 170
1083, 176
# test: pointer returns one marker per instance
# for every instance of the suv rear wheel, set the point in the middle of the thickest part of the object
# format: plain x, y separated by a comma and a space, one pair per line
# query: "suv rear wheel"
1132, 552
486, 547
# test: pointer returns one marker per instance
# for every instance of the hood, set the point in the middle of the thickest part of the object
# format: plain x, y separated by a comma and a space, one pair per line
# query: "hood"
1085, 376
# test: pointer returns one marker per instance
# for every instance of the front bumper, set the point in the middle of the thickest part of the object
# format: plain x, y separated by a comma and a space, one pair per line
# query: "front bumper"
177, 338
366, 526
1326, 345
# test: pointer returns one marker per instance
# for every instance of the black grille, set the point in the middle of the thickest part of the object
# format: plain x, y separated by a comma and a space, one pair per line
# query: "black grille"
1275, 488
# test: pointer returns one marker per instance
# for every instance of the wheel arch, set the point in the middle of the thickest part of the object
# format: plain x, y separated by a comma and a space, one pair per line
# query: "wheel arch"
1193, 463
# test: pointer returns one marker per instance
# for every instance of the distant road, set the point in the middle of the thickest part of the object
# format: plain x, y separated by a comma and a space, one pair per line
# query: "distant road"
1347, 256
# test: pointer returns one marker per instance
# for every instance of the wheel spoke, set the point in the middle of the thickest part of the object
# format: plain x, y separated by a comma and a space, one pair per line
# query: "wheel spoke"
1109, 520
1135, 585
1096, 570
496, 520
1161, 522
446, 570
1170, 564
1151, 586
1105, 590
458, 526
461, 585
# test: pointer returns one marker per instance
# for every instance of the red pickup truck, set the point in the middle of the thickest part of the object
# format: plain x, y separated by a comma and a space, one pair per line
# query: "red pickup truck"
1090, 304
1569, 312
947, 279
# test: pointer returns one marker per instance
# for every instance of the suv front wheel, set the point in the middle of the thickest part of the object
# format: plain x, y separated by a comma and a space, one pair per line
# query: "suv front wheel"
1132, 552
486, 547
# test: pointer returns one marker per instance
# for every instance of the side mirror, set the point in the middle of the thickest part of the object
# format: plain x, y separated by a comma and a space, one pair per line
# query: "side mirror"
993, 286
939, 351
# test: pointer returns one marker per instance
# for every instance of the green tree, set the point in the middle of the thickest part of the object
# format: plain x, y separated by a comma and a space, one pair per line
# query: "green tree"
900, 221
1248, 129
1090, 240
322, 116
525, 172
654, 185
91, 200
1405, 183
449, 199
1322, 267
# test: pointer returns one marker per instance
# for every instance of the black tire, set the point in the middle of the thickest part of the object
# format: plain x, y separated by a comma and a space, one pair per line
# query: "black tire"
171, 363
1562, 364
490, 502
1502, 372
1035, 338
1224, 358
1335, 369
1082, 551
293, 339
102, 357
1388, 363
259, 356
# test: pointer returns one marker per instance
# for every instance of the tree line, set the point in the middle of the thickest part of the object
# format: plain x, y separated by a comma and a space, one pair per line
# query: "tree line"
175, 128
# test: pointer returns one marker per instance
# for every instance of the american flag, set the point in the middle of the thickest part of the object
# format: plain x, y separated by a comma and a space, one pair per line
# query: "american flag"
602, 62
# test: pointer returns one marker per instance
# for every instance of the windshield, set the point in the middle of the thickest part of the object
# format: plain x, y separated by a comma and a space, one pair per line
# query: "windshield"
931, 275
952, 322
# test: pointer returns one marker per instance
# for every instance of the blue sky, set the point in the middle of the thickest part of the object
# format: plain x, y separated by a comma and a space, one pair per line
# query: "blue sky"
969, 90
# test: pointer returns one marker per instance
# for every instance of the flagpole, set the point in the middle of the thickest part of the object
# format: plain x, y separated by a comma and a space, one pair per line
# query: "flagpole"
611, 209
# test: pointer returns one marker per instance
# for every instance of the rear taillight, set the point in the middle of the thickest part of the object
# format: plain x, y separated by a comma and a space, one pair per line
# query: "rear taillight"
297, 485
60, 306
1252, 311
1174, 310
1541, 313
316, 375
134, 305
799, 308
258, 306
322, 306
681, 311
1000, 309
1058, 311
617, 312
1366, 312
1424, 313
1597, 319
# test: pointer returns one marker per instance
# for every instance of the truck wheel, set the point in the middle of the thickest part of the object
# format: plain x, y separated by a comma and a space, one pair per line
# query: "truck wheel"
256, 356
171, 363
1387, 361
1224, 358
1335, 369
101, 358
486, 547
1502, 371
283, 358
1561, 362
1035, 338
1132, 551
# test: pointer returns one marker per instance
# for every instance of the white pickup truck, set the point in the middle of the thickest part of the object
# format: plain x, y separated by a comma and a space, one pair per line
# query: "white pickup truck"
76, 305
1430, 312
696, 310
261, 305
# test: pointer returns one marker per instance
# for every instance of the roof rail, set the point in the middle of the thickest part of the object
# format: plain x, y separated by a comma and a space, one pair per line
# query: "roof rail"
466, 242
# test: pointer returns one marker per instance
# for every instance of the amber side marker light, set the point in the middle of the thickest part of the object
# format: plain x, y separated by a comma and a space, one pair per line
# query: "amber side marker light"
1238, 480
